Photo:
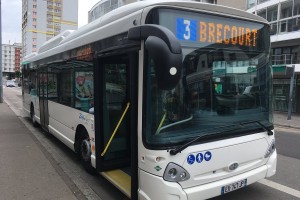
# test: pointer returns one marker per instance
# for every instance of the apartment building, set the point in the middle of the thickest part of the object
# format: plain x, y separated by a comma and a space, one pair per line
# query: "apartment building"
11, 57
44, 19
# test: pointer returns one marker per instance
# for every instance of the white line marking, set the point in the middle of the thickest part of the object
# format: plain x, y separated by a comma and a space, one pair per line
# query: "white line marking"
282, 188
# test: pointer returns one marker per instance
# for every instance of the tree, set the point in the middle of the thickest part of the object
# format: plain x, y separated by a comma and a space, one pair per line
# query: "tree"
18, 74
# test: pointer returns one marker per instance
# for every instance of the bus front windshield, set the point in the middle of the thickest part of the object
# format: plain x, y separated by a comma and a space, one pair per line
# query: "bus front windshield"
225, 88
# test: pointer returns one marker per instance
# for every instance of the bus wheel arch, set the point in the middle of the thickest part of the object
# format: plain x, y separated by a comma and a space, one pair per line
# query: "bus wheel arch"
82, 147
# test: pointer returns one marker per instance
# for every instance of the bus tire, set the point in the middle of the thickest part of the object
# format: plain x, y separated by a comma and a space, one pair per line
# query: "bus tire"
32, 113
84, 151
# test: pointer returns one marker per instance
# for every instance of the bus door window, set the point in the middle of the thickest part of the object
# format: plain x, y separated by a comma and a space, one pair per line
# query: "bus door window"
52, 84
115, 103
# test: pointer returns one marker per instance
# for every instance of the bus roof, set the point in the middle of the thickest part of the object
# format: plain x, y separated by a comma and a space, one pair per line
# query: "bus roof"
117, 22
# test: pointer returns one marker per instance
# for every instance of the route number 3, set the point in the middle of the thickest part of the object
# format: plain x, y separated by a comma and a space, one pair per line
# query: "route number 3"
187, 34
186, 29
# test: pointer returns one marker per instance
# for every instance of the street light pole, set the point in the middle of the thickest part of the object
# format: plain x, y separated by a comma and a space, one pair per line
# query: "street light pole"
1, 86
291, 93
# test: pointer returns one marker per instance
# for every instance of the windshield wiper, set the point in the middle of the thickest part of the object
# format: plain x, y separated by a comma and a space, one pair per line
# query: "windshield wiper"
184, 146
268, 130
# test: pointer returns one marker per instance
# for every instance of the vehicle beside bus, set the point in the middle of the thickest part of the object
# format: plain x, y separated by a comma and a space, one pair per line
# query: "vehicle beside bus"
167, 100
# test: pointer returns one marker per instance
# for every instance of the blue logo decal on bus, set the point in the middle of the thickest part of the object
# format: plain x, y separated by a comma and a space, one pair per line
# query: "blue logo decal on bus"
186, 29
207, 156
191, 159
199, 157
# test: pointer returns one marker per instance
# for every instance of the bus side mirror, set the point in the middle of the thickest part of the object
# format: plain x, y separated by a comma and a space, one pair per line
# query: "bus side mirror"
167, 64
165, 51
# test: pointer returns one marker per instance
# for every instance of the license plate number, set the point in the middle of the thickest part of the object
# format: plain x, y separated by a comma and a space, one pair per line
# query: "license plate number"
233, 186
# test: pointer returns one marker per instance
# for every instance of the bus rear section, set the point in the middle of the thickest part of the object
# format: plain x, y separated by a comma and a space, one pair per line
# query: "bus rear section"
212, 132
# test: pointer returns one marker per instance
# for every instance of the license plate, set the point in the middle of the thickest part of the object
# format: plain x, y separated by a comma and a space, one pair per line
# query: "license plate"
233, 186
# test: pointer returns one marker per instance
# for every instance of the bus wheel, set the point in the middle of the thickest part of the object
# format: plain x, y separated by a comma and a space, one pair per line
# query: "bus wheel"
85, 153
35, 124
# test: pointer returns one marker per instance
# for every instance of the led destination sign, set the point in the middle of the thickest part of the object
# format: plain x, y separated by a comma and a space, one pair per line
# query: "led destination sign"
200, 30
219, 33
215, 33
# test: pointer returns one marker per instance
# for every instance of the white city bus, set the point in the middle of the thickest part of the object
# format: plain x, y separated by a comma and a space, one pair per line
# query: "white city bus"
167, 100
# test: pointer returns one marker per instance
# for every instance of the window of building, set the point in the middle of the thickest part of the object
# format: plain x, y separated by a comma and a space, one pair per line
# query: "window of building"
286, 9
262, 1
286, 26
114, 2
272, 13
296, 24
296, 7
34, 6
262, 13
277, 51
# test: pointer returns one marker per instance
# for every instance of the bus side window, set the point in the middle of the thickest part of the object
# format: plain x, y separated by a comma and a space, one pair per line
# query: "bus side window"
84, 90
66, 89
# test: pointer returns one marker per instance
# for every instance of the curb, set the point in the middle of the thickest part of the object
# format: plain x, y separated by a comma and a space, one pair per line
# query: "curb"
286, 126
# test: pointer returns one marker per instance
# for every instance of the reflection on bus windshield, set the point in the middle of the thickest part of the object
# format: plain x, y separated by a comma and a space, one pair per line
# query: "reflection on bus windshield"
216, 83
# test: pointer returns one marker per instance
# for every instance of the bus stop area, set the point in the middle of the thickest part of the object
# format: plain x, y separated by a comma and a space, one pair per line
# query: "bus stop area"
26, 169
280, 120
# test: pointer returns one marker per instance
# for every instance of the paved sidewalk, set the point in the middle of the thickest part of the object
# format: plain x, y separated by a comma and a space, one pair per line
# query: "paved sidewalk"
25, 170
280, 119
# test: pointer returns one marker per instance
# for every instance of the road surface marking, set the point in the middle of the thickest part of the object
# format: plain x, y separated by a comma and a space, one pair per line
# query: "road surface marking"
282, 188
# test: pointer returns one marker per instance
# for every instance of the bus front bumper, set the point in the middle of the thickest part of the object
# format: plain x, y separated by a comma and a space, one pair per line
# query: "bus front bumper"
154, 187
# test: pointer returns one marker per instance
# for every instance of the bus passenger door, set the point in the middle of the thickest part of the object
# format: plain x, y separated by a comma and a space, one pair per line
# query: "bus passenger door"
43, 87
116, 119
115, 137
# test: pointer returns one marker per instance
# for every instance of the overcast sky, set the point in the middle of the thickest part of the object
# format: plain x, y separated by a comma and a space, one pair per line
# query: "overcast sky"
11, 14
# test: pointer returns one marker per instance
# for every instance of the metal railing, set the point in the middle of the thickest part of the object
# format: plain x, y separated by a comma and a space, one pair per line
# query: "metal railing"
285, 59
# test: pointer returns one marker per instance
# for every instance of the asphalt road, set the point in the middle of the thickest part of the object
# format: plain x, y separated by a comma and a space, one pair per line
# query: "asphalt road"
285, 185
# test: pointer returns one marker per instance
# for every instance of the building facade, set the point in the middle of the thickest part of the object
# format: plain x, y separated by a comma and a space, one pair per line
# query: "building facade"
239, 4
11, 58
42, 20
284, 19
105, 6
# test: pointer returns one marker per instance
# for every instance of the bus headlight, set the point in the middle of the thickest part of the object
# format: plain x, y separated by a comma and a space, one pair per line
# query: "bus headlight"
270, 149
175, 173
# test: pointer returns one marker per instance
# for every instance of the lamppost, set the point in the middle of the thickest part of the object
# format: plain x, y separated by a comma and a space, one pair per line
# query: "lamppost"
1, 86
292, 74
